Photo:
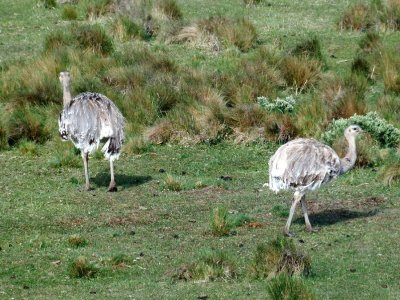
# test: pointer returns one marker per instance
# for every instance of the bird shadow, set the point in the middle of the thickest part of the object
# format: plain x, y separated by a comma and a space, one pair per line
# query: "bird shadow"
103, 179
333, 216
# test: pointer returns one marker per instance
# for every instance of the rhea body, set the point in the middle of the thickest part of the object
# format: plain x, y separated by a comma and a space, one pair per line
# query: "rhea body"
305, 165
89, 119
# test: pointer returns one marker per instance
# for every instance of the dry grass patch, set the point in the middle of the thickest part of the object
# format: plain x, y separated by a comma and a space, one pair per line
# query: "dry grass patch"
277, 257
82, 268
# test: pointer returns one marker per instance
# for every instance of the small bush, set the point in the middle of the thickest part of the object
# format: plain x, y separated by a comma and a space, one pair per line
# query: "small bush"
287, 287
386, 134
82, 268
211, 265
76, 241
279, 256
220, 223
69, 13
95, 38
279, 105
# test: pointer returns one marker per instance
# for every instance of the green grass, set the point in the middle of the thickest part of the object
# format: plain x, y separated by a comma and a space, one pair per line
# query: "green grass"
58, 242
161, 230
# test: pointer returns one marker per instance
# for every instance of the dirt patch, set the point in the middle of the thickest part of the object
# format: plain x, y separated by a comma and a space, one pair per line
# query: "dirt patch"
135, 218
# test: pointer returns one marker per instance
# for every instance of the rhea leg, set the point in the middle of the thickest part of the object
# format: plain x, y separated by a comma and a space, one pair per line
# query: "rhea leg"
112, 187
296, 199
305, 212
85, 157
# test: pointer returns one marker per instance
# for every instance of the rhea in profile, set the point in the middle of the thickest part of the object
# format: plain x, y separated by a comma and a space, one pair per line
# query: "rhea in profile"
87, 120
305, 164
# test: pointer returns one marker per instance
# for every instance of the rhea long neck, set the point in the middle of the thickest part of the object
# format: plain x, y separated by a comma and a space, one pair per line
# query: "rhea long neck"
66, 92
347, 162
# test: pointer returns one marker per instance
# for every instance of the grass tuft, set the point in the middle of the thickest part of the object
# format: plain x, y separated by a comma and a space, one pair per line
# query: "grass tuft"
211, 265
69, 13
288, 287
82, 268
95, 38
277, 257
221, 224
76, 241
172, 184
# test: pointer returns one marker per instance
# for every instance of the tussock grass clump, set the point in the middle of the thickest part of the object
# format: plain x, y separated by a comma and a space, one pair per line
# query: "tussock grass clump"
211, 265
370, 41
390, 69
221, 223
64, 156
28, 148
27, 122
69, 13
240, 33
76, 241
288, 287
310, 48
390, 172
172, 184
361, 66
385, 133
120, 260
95, 38
167, 9
357, 17
82, 268
126, 28
279, 256
300, 73
49, 3
98, 8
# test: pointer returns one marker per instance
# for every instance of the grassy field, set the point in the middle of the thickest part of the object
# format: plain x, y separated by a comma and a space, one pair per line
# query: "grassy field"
197, 141
354, 254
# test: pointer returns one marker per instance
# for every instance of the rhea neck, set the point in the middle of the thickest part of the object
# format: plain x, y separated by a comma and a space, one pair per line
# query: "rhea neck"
66, 84
347, 162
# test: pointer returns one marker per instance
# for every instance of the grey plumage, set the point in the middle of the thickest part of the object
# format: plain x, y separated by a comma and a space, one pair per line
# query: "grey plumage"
88, 119
306, 164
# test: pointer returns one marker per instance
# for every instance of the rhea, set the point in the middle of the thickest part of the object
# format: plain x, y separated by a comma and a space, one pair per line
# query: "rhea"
87, 120
305, 165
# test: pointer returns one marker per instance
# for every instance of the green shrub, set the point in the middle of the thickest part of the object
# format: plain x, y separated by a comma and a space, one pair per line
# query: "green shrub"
279, 105
69, 13
277, 257
386, 134
287, 287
